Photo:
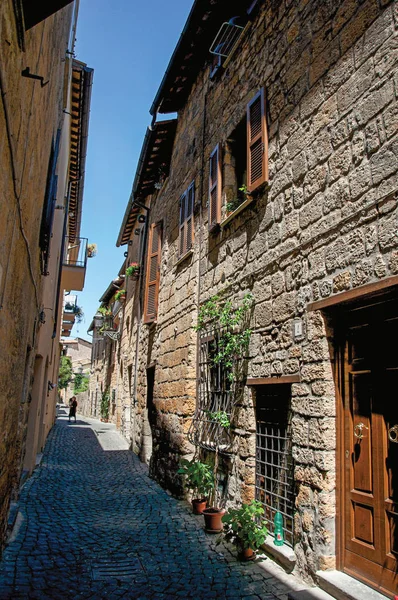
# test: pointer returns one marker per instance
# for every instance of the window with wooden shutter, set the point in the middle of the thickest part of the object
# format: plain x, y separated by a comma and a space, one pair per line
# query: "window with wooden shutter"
215, 188
257, 142
186, 220
153, 273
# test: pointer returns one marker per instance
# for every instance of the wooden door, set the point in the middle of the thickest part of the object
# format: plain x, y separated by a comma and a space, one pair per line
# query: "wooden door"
370, 445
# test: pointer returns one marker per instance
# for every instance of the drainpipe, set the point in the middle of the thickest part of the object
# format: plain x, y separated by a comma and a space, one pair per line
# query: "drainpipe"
139, 312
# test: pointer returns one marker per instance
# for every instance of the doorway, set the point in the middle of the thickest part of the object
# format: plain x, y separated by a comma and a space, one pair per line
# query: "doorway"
366, 339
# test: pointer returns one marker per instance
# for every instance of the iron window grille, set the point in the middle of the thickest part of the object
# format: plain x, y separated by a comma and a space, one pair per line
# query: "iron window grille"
274, 461
216, 395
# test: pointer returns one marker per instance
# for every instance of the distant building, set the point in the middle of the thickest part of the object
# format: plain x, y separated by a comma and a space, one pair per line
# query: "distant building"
44, 116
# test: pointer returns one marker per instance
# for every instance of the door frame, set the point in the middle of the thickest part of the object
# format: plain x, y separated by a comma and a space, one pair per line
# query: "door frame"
337, 316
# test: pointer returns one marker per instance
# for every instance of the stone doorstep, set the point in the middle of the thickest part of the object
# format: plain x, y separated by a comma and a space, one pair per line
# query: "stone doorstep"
309, 594
343, 587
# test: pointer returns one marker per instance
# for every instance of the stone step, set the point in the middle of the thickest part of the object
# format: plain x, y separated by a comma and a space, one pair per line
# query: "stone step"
310, 594
343, 587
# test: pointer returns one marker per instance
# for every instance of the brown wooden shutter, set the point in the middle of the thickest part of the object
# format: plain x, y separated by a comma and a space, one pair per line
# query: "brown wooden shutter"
186, 220
189, 216
257, 142
153, 273
183, 211
215, 188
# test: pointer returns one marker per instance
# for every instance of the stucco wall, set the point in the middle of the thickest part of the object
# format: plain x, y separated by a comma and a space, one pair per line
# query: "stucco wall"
29, 117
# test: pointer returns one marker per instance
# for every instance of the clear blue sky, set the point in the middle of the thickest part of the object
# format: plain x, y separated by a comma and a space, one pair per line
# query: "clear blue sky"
128, 43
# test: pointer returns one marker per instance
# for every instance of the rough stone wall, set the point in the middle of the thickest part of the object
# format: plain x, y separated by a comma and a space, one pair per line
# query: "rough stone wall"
326, 224
29, 116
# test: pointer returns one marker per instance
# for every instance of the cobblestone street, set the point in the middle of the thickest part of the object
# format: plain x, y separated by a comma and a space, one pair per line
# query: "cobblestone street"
92, 524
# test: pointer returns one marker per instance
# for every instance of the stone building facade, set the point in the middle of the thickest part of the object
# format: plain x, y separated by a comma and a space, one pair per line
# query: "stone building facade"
278, 179
41, 159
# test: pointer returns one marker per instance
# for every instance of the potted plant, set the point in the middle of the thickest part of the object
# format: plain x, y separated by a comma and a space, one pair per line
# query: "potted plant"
242, 527
199, 478
120, 295
214, 513
133, 269
91, 250
243, 195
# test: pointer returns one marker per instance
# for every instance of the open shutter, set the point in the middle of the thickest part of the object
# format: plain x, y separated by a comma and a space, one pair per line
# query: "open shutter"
257, 142
153, 273
189, 217
215, 188
183, 212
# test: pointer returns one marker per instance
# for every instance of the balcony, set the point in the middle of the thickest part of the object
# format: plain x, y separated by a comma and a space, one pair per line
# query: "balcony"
70, 308
74, 264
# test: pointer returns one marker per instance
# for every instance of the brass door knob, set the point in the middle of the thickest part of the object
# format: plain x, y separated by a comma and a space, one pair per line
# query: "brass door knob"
358, 430
393, 434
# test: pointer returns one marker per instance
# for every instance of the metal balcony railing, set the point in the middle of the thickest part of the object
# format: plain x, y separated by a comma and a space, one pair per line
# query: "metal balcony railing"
75, 254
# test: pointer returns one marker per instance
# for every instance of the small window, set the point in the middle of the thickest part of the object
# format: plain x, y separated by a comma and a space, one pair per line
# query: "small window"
186, 220
235, 169
153, 273
215, 188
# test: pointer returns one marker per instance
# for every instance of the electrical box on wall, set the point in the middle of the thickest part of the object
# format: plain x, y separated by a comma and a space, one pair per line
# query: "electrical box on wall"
298, 329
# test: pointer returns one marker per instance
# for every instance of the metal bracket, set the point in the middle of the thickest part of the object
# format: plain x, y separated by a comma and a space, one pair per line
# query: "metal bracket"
113, 335
26, 73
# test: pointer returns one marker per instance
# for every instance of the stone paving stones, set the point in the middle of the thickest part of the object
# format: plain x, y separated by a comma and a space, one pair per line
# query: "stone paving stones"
93, 525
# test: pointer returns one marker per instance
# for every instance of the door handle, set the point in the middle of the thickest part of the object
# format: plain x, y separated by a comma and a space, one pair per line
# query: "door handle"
393, 434
358, 430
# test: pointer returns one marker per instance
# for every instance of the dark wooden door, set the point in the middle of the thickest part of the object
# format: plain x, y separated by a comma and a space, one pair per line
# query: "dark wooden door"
370, 448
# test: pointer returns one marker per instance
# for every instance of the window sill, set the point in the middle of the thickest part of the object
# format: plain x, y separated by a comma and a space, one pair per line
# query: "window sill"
184, 257
236, 212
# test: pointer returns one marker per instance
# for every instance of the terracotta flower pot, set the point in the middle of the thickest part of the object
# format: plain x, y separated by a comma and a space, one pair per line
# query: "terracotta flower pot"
213, 516
198, 506
246, 554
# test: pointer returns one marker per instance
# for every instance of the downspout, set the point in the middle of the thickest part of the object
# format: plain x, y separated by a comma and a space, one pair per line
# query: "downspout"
139, 312
201, 234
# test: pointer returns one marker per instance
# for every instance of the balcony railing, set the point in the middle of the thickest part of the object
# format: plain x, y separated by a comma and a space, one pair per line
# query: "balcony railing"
75, 254
74, 264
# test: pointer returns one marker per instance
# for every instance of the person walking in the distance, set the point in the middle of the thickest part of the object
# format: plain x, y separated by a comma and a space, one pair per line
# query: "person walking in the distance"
72, 407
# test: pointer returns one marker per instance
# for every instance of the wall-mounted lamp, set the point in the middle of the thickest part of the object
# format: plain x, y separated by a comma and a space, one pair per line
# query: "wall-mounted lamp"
126, 254
130, 242
141, 218
137, 232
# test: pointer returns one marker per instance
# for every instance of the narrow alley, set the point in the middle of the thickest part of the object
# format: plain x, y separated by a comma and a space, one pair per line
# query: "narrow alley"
92, 524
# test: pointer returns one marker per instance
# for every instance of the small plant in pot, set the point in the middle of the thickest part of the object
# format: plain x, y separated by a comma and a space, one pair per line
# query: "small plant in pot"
214, 513
242, 528
120, 295
199, 478
133, 269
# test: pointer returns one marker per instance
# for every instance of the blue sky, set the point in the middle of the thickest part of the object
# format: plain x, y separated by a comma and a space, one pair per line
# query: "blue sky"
129, 44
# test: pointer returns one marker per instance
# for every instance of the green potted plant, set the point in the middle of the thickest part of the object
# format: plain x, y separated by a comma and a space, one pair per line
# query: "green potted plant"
133, 269
243, 195
199, 478
120, 295
214, 513
242, 527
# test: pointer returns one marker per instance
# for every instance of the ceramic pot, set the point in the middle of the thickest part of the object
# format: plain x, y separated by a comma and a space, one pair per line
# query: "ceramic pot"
198, 506
213, 516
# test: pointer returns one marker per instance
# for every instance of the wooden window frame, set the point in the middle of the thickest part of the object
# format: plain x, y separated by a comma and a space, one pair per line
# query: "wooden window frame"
151, 317
260, 137
187, 201
215, 184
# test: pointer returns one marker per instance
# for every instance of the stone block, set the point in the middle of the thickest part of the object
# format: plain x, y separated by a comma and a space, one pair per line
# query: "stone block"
384, 162
342, 282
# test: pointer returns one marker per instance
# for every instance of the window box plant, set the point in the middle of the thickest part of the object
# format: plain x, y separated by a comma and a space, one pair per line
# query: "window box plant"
120, 295
243, 196
133, 270
199, 478
243, 529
